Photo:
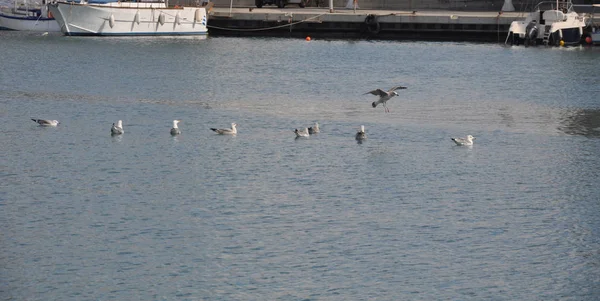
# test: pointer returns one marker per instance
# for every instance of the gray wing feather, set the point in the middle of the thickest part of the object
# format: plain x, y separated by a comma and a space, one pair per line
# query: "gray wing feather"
396, 88
377, 92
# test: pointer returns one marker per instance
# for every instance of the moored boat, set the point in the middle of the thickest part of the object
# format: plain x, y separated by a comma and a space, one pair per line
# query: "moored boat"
107, 18
551, 23
25, 17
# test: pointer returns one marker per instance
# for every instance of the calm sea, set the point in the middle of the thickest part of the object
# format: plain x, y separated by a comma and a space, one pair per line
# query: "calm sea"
405, 215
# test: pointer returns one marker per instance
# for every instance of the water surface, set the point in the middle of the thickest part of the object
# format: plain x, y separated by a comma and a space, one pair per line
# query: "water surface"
406, 215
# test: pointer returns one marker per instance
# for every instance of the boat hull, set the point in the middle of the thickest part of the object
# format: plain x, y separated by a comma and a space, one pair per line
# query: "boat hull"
24, 23
128, 19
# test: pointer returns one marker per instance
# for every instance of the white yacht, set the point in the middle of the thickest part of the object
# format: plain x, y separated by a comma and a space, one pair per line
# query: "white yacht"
551, 23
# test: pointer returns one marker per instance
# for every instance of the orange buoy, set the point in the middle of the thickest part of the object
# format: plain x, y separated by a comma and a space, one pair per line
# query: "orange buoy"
562, 43
308, 38
588, 40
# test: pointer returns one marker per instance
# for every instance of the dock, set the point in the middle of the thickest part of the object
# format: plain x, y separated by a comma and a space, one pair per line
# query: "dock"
440, 25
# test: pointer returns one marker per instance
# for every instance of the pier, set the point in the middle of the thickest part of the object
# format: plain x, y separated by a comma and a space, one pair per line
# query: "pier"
439, 20
362, 23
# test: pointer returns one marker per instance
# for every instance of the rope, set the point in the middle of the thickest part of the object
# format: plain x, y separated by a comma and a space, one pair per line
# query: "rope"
268, 28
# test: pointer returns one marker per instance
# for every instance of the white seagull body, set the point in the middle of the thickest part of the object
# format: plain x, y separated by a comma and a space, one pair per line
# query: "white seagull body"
175, 130
45, 122
231, 131
304, 133
117, 129
314, 129
384, 96
360, 135
468, 141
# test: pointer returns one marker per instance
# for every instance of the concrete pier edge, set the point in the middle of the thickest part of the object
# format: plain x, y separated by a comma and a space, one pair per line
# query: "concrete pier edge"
440, 25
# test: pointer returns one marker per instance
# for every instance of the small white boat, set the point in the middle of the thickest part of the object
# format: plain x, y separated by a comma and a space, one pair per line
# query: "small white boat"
551, 23
26, 17
108, 18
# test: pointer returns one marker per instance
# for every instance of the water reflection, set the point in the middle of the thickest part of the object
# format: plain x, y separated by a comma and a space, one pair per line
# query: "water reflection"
581, 122
117, 138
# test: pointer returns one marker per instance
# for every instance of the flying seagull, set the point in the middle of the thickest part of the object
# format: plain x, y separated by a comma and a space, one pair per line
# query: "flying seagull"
303, 133
45, 122
231, 131
314, 129
464, 141
384, 96
175, 130
360, 135
117, 129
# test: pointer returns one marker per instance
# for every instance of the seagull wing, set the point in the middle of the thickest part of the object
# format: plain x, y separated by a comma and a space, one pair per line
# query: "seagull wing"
396, 88
42, 121
222, 131
460, 141
378, 92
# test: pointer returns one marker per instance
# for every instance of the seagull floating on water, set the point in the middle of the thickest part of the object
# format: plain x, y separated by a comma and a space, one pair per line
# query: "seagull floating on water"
464, 141
360, 135
231, 131
314, 129
304, 133
117, 129
384, 96
46, 122
175, 130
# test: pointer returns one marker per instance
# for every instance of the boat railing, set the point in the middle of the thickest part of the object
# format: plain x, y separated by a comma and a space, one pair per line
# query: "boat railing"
564, 6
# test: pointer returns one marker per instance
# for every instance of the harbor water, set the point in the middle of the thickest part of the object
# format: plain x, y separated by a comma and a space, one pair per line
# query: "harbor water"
404, 215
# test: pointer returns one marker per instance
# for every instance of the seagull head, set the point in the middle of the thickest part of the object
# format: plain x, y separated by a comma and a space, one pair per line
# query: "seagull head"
233, 125
394, 93
470, 137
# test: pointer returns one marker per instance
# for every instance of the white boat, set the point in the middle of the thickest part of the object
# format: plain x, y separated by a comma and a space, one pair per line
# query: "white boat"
26, 17
551, 23
128, 18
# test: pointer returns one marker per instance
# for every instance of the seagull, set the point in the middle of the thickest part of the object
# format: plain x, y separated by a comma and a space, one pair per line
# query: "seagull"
464, 141
117, 129
314, 129
175, 130
303, 133
231, 131
45, 122
360, 135
384, 96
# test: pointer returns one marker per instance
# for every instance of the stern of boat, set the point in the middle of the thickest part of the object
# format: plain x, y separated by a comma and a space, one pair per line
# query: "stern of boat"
516, 33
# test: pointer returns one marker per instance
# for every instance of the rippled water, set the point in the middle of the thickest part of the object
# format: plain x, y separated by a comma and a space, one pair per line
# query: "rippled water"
406, 215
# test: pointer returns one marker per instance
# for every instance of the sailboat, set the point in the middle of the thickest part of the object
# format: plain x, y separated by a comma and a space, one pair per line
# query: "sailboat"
28, 17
